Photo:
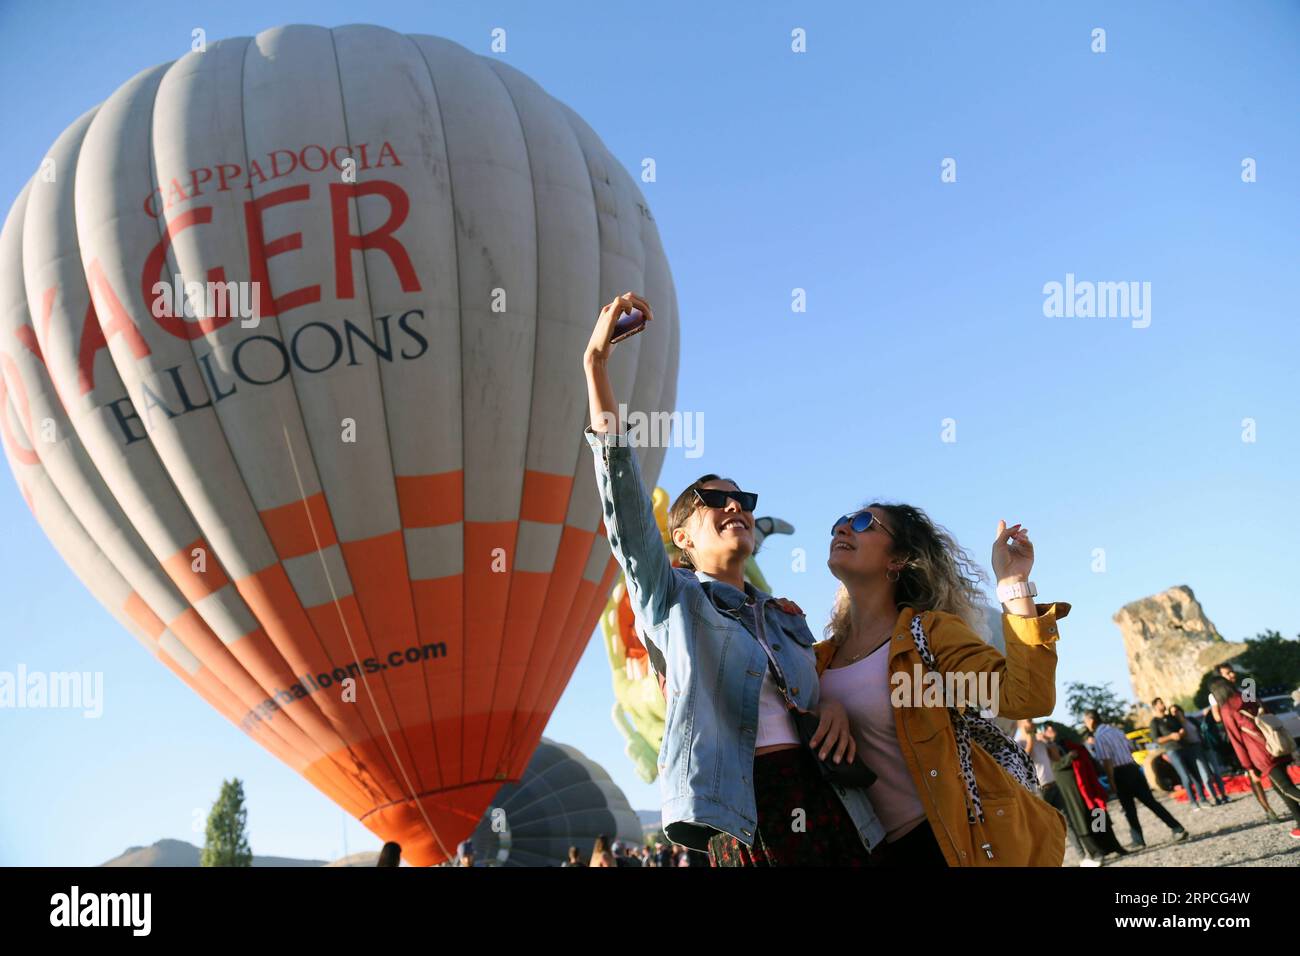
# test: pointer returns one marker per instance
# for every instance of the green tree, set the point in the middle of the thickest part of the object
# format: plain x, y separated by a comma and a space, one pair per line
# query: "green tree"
1273, 660
226, 843
1099, 697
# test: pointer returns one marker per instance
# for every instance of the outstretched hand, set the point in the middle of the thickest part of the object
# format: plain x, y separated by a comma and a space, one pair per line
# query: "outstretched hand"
599, 347
1013, 553
600, 391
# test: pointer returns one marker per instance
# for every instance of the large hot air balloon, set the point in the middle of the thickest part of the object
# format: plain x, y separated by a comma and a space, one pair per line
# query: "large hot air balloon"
358, 517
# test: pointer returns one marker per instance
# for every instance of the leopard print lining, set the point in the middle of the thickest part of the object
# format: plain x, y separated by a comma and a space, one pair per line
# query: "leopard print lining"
986, 734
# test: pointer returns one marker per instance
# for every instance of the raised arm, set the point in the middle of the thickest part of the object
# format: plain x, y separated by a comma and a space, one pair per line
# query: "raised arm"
600, 393
1026, 673
627, 509
1013, 559
1024, 679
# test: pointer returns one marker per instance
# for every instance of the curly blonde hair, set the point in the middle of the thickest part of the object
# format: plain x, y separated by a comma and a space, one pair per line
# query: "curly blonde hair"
939, 574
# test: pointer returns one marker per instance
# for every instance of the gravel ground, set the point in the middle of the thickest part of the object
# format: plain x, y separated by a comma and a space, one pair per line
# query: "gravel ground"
1235, 835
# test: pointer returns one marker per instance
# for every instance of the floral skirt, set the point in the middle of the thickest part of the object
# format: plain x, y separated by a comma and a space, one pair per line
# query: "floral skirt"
801, 822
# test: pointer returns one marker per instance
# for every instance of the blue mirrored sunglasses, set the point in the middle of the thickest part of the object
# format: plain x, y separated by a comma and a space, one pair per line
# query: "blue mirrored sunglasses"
860, 521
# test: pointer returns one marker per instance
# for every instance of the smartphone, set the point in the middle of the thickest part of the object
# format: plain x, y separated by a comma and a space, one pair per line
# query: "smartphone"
628, 325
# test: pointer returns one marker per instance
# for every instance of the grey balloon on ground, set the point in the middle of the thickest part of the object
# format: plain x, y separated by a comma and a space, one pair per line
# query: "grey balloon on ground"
565, 799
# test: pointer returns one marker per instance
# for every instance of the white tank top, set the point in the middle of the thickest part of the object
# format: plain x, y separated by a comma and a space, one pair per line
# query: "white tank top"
775, 724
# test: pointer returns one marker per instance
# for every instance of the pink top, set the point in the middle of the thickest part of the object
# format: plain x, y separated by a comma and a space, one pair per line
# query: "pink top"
775, 723
863, 688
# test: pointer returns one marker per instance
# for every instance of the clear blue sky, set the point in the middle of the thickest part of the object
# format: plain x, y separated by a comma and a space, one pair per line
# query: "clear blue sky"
819, 171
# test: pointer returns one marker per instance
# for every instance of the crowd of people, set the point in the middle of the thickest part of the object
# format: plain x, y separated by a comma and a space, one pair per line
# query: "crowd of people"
1069, 779
619, 853
1077, 779
605, 852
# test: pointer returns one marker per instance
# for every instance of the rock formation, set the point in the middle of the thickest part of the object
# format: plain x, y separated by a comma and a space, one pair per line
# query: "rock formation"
1171, 644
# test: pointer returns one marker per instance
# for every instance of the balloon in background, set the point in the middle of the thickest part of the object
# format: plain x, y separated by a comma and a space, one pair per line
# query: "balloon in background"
564, 799
289, 334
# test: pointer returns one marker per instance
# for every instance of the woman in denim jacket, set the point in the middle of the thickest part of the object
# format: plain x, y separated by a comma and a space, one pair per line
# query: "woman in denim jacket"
735, 778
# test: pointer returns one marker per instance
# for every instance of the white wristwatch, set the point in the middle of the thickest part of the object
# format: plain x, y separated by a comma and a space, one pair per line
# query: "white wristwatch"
1019, 589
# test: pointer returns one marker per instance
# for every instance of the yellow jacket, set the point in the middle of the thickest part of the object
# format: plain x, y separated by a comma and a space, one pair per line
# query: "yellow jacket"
1020, 828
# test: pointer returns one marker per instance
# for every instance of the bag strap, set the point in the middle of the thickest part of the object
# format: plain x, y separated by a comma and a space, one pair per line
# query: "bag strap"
778, 675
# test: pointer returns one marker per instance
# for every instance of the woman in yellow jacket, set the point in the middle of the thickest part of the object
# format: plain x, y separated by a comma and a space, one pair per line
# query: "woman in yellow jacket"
943, 799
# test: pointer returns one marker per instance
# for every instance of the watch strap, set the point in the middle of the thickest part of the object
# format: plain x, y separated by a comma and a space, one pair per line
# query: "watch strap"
1017, 589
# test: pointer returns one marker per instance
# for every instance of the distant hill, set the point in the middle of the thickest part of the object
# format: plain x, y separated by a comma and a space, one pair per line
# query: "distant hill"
650, 819
180, 853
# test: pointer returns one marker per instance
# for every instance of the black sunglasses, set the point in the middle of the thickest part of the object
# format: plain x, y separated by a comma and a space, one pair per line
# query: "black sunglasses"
860, 521
715, 498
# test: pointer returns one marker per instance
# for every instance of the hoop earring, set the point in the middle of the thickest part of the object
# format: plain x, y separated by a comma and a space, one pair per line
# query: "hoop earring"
894, 573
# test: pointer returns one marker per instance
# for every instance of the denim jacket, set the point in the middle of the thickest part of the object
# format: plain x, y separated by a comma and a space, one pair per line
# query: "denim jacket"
713, 665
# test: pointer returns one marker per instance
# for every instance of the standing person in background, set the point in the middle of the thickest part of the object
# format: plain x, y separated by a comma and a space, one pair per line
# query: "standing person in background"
465, 853
1127, 780
1238, 722
1083, 799
574, 858
1093, 793
1044, 755
1167, 731
1195, 753
600, 853
622, 856
1229, 674
390, 855
1212, 740
1038, 752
